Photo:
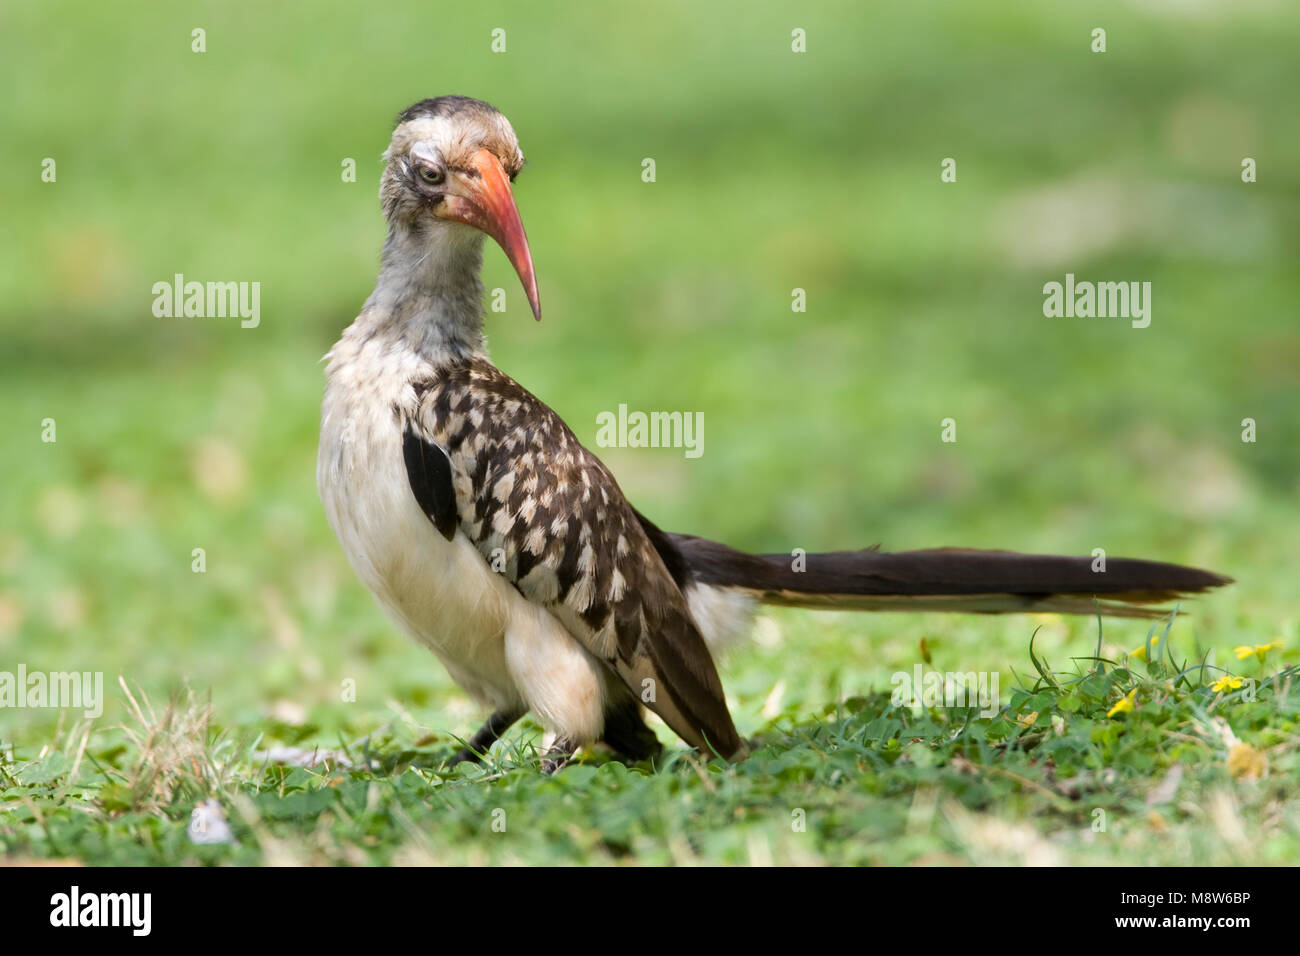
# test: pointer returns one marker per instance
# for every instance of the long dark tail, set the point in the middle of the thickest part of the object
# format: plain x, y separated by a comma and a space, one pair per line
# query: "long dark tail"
946, 579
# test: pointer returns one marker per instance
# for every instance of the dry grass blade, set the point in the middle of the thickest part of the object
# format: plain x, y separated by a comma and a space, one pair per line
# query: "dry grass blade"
175, 754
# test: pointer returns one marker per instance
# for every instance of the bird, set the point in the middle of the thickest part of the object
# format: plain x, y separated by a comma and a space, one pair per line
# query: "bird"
494, 538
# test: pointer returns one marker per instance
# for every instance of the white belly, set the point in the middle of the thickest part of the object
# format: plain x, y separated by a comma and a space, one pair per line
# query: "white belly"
440, 592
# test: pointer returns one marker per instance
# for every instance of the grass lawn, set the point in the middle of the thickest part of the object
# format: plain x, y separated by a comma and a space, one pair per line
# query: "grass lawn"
170, 538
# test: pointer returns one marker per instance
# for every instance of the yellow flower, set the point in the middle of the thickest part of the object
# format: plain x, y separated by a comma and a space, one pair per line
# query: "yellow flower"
1224, 683
1259, 650
1124, 704
1141, 652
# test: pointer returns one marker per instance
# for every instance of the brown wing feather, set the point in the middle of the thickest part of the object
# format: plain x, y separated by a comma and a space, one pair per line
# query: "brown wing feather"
548, 515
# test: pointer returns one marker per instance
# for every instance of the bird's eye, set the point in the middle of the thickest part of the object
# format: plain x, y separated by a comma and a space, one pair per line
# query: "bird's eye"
431, 175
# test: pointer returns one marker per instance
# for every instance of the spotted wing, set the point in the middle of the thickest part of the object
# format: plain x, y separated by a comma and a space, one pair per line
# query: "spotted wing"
548, 515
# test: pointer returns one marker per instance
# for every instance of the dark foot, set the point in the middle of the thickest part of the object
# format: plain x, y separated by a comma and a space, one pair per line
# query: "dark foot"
627, 735
487, 735
558, 757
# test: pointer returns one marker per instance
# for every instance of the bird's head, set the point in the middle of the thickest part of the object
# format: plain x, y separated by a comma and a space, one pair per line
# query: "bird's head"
447, 181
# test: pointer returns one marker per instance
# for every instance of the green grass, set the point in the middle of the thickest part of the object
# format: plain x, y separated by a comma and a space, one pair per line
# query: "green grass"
775, 171
1061, 774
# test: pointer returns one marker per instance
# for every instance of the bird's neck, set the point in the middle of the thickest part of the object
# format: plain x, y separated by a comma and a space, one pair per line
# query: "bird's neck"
428, 297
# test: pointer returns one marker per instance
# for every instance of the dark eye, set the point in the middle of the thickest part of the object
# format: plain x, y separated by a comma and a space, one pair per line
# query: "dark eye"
431, 175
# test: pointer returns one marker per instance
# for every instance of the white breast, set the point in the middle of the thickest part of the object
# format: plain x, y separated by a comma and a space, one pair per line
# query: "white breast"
441, 592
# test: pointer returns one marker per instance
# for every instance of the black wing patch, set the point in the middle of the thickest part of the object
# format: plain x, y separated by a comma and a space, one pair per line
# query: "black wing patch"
429, 472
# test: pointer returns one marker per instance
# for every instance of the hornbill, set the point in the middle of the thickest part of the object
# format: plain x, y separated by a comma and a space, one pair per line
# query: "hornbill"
493, 537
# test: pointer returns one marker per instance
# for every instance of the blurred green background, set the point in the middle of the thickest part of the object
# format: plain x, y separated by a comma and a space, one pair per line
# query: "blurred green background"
775, 171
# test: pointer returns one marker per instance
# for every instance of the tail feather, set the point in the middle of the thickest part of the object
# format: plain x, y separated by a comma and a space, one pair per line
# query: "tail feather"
946, 579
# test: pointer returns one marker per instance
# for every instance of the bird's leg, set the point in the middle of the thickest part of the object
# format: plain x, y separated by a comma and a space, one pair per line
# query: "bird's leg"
626, 731
558, 757
487, 735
